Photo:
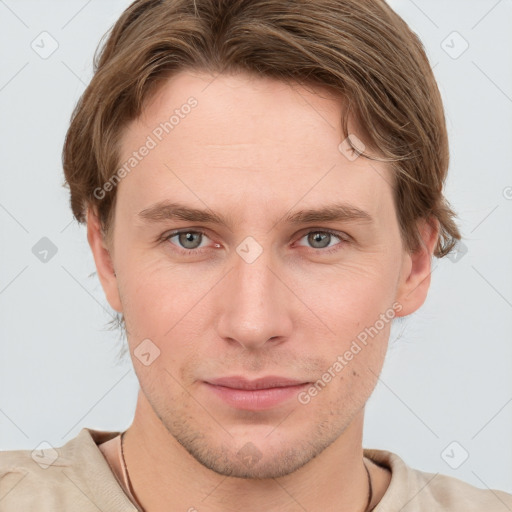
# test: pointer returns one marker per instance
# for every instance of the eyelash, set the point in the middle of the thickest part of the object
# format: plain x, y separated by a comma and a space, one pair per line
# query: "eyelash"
192, 252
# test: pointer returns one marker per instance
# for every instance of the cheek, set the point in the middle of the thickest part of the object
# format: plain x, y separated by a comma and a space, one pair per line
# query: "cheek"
352, 296
151, 288
165, 304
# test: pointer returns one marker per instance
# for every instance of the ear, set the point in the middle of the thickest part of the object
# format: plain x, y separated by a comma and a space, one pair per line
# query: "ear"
414, 281
103, 260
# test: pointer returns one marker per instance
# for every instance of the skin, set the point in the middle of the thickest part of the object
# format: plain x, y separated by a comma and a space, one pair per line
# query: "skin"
254, 149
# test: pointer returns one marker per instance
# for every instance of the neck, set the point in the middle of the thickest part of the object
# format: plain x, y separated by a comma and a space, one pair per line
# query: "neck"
162, 472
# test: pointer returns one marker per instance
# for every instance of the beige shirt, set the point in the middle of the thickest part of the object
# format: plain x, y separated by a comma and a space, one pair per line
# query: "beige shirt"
77, 478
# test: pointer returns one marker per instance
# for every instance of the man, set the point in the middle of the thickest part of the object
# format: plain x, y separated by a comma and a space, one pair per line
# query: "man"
262, 183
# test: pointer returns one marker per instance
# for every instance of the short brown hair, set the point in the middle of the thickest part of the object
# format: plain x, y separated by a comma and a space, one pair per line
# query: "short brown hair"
361, 49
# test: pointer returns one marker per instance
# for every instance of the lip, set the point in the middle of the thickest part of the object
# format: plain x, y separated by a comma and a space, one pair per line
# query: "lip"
271, 381
255, 395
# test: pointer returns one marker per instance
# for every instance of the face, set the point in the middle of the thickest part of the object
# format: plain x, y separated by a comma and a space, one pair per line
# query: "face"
251, 284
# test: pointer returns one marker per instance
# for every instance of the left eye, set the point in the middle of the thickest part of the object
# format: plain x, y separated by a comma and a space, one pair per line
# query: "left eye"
191, 241
321, 239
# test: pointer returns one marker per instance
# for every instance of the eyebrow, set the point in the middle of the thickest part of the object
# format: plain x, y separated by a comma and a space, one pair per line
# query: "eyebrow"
339, 212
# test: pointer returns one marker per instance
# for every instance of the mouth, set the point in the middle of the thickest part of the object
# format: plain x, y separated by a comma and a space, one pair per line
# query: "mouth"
255, 395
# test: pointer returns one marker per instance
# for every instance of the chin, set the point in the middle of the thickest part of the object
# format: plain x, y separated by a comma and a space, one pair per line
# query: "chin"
251, 463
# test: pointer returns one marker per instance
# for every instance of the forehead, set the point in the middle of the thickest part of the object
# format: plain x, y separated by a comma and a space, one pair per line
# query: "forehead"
250, 140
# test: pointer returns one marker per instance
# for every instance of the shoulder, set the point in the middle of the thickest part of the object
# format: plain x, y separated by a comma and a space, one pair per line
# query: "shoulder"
25, 474
414, 490
72, 477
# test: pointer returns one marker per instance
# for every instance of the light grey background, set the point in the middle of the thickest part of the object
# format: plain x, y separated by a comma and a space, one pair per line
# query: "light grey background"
447, 377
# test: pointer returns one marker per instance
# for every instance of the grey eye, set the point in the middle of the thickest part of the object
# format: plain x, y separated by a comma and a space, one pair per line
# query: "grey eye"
189, 239
319, 239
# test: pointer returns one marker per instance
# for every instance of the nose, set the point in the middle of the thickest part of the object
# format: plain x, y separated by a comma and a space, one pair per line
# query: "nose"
254, 304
